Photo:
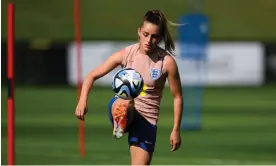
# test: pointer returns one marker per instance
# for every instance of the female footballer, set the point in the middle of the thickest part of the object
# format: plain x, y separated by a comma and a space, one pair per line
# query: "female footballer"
156, 65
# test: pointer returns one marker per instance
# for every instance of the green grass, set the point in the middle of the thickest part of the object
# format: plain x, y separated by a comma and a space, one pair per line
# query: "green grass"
118, 20
238, 128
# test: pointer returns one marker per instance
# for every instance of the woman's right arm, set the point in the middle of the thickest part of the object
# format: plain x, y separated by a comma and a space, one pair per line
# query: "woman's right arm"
111, 63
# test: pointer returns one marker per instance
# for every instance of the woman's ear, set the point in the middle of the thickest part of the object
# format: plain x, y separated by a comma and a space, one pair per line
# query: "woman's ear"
139, 32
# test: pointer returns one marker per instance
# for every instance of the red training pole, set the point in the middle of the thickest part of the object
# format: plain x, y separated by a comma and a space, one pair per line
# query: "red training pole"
79, 69
10, 74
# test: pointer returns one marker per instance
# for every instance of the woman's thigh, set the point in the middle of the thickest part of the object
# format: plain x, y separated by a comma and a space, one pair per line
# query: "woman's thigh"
142, 138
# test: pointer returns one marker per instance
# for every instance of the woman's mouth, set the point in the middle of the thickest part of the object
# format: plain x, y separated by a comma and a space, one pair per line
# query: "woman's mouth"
147, 45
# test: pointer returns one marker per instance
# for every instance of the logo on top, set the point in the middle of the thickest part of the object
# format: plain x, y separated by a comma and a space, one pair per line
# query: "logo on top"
155, 74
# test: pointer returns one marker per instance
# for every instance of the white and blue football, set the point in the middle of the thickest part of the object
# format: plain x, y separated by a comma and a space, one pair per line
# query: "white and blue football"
127, 83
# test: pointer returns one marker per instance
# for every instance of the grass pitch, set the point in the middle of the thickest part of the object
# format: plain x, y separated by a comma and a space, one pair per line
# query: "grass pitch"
238, 128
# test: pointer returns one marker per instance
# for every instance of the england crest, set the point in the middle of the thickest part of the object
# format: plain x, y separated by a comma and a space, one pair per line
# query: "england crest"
155, 74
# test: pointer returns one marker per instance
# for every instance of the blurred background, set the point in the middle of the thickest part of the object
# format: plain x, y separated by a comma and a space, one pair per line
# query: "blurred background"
235, 109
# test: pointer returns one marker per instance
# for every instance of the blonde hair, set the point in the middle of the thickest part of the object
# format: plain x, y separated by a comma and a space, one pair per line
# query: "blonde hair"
158, 18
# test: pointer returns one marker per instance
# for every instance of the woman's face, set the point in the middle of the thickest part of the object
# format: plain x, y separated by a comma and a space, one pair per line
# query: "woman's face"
149, 36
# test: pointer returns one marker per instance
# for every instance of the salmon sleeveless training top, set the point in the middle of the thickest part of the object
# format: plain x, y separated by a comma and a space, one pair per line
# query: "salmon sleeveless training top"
153, 71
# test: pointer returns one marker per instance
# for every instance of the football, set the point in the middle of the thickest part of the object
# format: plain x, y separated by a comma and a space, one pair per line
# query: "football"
127, 83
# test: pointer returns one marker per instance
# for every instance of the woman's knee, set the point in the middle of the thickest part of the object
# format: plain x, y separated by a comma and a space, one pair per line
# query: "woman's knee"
139, 156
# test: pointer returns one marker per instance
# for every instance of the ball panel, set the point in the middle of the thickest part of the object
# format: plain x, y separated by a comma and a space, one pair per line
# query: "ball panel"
124, 92
118, 82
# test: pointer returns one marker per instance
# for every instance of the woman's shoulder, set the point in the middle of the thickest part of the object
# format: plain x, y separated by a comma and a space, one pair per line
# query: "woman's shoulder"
163, 53
132, 46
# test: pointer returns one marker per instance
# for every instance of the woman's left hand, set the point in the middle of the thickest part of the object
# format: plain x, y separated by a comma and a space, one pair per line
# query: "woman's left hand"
175, 140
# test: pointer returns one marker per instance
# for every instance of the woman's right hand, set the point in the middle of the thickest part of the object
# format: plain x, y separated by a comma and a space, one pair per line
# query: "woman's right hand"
81, 110
111, 63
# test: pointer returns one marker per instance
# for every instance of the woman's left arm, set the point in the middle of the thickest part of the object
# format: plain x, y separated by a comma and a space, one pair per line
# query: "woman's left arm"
176, 90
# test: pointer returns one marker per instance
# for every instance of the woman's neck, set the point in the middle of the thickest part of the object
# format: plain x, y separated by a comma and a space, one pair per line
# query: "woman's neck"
147, 53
